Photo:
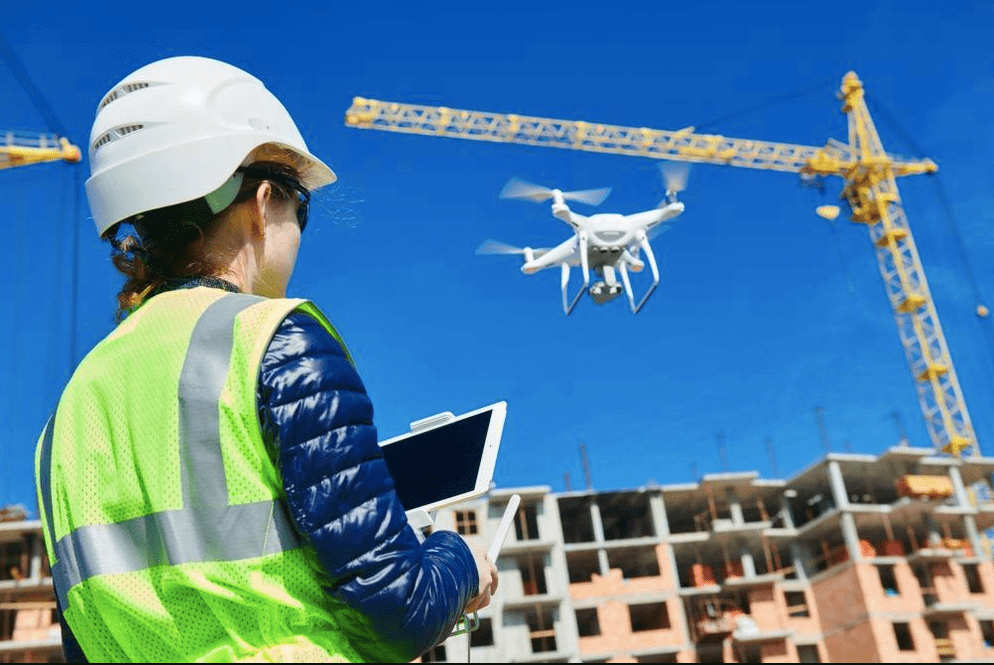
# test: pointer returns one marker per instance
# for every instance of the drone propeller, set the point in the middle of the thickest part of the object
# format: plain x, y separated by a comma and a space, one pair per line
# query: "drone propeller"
516, 188
675, 176
492, 247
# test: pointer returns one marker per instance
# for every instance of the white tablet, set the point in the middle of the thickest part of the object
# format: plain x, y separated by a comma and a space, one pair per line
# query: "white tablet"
445, 459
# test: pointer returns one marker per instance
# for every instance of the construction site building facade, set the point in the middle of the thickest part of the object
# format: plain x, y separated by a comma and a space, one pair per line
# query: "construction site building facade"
857, 558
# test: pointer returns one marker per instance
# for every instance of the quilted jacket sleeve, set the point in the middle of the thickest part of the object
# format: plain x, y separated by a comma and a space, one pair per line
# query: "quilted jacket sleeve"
314, 409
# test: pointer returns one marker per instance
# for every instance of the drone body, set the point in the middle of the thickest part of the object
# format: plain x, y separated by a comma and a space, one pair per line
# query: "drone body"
610, 244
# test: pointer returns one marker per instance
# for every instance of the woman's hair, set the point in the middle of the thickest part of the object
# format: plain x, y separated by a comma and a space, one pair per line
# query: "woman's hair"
151, 248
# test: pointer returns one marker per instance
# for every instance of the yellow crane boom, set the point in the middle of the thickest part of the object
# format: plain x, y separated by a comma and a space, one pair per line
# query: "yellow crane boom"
21, 149
870, 188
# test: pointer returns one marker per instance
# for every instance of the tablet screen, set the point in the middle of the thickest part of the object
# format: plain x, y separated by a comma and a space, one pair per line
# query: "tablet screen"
439, 463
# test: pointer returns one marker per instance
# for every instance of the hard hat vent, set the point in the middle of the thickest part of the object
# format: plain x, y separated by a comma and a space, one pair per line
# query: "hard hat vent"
121, 90
115, 134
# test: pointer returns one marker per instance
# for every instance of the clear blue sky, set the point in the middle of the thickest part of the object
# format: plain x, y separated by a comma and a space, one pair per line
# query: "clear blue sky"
754, 324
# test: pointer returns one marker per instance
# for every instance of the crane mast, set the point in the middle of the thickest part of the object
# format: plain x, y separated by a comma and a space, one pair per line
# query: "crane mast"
870, 189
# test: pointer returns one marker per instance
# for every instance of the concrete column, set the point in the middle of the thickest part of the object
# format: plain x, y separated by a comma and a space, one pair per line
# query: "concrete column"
748, 563
972, 535
595, 518
838, 485
851, 537
788, 516
659, 520
734, 507
962, 498
797, 555
37, 547
934, 536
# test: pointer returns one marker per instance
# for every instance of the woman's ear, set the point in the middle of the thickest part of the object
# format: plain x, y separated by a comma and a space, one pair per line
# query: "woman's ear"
263, 206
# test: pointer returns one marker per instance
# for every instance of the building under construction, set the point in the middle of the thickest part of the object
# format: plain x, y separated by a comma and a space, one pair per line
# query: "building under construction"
857, 558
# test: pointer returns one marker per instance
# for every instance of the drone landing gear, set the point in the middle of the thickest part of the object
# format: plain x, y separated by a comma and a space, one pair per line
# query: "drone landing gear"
569, 305
644, 244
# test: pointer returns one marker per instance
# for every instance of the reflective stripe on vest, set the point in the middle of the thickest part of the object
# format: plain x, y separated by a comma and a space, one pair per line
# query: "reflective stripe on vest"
206, 529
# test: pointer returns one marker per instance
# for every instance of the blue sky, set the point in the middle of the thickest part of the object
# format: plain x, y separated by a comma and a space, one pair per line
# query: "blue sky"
754, 324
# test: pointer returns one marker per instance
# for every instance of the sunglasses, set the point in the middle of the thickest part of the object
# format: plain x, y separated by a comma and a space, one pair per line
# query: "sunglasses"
303, 195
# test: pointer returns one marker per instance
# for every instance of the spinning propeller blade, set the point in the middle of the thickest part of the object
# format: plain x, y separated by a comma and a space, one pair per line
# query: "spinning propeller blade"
675, 175
491, 247
516, 188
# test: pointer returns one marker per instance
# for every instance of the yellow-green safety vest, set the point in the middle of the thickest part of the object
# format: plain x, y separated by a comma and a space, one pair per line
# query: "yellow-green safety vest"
161, 503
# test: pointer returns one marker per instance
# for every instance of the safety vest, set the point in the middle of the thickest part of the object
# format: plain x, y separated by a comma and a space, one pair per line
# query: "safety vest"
161, 503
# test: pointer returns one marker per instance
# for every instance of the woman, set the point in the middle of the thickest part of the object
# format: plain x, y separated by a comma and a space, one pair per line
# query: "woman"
210, 485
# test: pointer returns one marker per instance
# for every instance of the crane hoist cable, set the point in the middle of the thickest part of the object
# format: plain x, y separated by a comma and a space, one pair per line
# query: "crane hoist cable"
772, 101
34, 94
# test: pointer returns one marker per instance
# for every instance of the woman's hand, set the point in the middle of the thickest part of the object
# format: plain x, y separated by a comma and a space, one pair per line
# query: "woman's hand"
488, 580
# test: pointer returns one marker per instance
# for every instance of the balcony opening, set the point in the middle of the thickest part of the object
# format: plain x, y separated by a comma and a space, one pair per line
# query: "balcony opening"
902, 633
987, 633
973, 581
578, 525
526, 523
634, 562
649, 616
587, 624
807, 653
542, 633
888, 580
625, 515
532, 569
797, 604
484, 635
582, 566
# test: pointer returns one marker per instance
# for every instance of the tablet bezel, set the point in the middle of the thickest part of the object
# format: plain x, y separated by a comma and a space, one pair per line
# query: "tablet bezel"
488, 459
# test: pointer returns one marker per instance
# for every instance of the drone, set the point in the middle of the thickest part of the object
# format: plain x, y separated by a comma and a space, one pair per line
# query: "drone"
609, 244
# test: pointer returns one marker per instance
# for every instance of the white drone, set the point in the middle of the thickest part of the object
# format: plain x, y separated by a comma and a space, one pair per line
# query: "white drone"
609, 243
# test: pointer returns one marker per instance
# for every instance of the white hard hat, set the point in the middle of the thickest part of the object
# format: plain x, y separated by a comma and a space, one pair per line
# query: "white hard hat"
176, 130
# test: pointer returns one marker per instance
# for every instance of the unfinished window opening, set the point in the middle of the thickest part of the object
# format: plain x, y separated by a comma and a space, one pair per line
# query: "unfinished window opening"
634, 562
587, 624
807, 653
526, 523
532, 570
973, 581
578, 525
14, 560
540, 625
436, 655
752, 653
466, 523
649, 616
582, 566
6, 625
987, 633
797, 604
902, 633
484, 635
888, 580
625, 515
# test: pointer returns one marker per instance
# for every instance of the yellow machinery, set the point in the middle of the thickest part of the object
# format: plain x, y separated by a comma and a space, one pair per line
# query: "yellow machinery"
870, 188
21, 149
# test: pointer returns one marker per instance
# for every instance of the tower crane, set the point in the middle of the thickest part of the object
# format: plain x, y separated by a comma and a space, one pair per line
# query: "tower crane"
870, 189
22, 149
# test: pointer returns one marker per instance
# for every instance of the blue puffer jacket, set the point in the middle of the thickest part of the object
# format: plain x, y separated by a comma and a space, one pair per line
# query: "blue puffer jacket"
314, 409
